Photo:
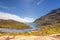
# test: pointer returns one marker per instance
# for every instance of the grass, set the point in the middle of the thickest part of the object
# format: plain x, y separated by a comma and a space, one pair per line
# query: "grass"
13, 24
43, 31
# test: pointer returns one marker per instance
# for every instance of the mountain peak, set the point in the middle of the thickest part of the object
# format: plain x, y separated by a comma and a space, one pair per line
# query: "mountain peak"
50, 18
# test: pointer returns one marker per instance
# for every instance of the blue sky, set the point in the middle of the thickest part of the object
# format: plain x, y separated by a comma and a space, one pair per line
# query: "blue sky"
28, 8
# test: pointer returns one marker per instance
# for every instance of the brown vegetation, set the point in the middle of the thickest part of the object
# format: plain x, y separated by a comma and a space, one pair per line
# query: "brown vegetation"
12, 24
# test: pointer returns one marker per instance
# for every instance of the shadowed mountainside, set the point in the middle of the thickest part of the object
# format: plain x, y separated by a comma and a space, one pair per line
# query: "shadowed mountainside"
50, 18
49, 23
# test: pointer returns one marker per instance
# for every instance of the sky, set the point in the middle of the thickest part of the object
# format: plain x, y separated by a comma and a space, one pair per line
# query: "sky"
29, 10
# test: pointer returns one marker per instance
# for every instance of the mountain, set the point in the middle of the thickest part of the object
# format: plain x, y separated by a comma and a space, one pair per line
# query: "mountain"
12, 24
48, 24
50, 18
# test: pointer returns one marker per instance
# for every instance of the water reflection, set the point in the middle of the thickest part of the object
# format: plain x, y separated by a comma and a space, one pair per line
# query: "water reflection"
33, 25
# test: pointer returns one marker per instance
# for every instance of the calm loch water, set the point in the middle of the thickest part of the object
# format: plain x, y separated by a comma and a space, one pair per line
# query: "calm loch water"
33, 25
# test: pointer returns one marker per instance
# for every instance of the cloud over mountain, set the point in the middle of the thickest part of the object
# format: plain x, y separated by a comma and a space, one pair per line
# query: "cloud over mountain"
7, 16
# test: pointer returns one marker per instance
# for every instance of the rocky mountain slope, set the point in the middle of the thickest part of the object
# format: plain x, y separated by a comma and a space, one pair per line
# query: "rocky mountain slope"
12, 24
50, 18
49, 24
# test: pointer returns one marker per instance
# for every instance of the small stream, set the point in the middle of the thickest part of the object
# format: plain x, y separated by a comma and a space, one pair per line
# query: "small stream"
33, 25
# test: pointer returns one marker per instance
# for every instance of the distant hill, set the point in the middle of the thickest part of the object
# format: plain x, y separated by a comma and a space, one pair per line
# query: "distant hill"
50, 18
12, 24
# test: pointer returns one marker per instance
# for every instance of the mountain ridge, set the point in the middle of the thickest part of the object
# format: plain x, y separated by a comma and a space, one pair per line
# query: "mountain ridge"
50, 18
12, 24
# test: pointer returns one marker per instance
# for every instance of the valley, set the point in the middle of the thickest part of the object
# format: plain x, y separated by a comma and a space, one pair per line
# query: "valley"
47, 25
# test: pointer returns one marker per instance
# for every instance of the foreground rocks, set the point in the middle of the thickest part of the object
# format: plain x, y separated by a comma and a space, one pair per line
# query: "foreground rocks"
29, 37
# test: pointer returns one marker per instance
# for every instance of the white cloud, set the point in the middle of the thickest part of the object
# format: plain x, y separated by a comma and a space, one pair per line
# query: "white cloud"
6, 7
7, 16
38, 3
1, 6
29, 19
